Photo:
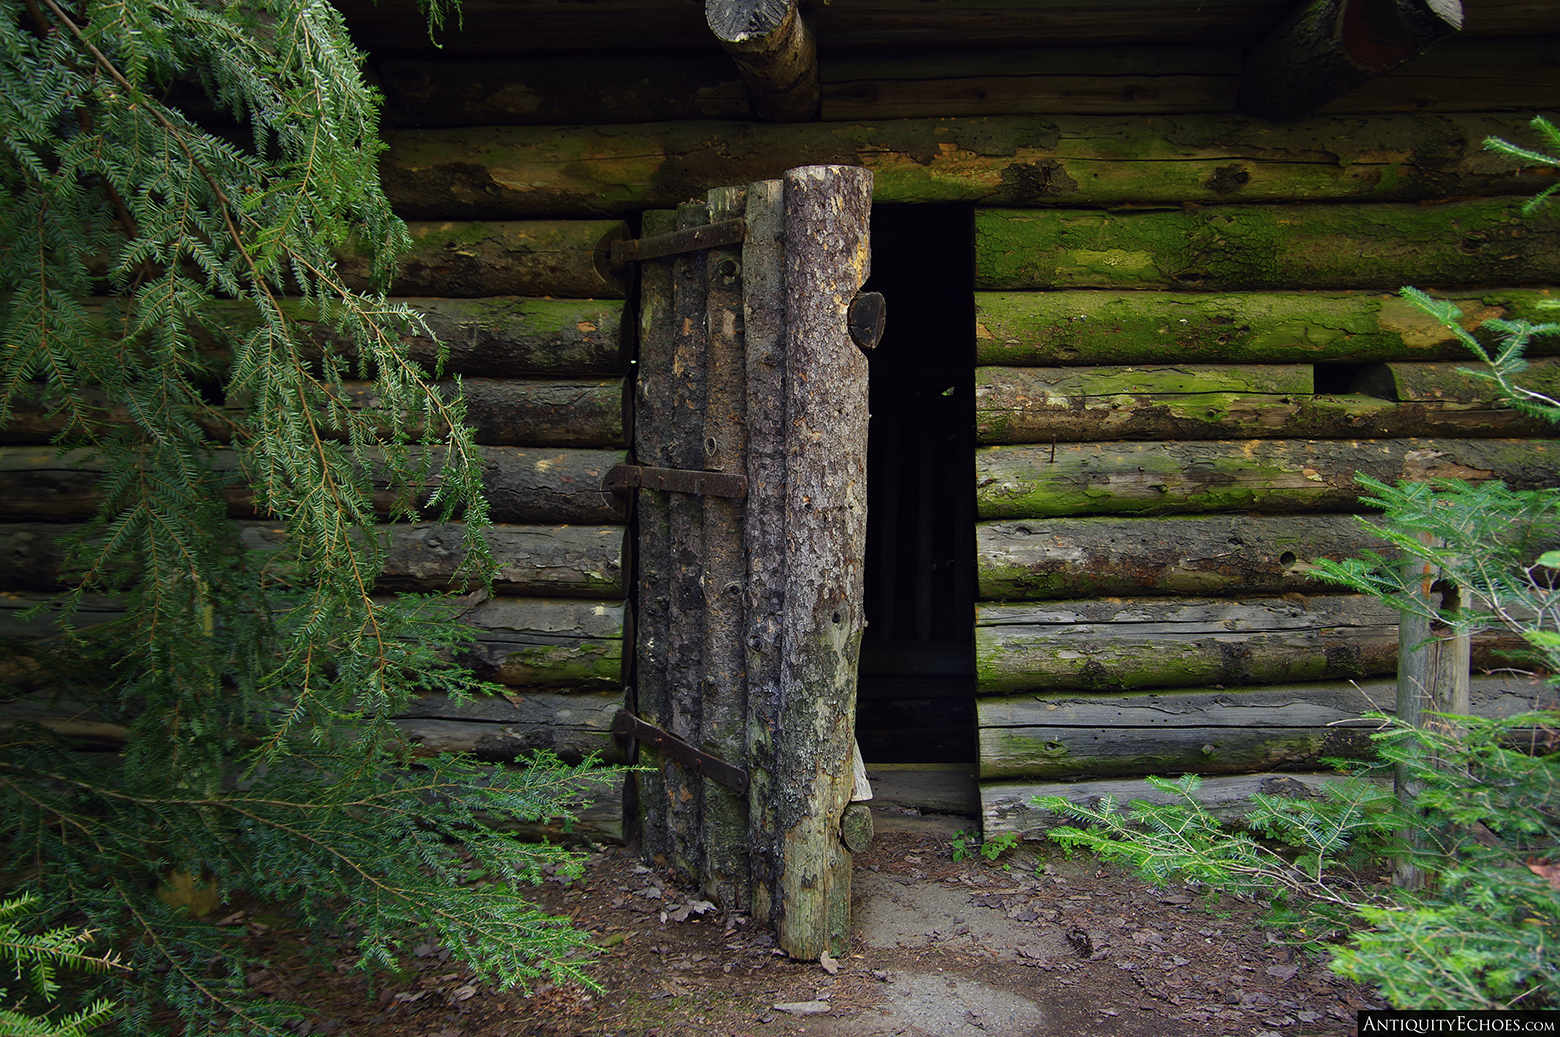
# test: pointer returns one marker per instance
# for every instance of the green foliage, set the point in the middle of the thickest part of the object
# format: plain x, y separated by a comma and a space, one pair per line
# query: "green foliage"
39, 956
967, 844
255, 692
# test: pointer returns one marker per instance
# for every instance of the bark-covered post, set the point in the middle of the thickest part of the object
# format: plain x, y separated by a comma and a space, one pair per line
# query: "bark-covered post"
1328, 47
727, 873
773, 47
827, 258
1432, 678
763, 273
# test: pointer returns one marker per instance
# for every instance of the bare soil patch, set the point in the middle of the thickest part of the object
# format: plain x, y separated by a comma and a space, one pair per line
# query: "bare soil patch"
1025, 946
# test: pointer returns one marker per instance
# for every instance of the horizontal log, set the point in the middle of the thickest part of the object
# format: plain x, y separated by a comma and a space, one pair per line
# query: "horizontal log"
521, 642
500, 412
516, 337
1250, 475
1204, 732
541, 561
1419, 381
1037, 81
553, 91
572, 726
1230, 247
1119, 644
1221, 415
1057, 328
1008, 806
534, 642
1464, 74
523, 485
563, 258
495, 173
1108, 557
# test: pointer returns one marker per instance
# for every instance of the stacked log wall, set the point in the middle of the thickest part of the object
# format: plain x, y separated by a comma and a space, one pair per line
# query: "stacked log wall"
1173, 408
533, 321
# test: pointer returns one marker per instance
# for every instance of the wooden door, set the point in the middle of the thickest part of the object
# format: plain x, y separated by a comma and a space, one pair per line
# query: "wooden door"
750, 451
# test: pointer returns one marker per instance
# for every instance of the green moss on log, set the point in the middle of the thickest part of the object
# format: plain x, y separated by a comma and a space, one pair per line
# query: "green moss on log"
1117, 327
1226, 247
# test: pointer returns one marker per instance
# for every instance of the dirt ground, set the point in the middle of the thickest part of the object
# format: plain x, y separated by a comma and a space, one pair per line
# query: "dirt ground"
941, 948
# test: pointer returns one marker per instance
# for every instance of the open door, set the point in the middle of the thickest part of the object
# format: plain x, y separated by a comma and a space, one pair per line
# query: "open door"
750, 445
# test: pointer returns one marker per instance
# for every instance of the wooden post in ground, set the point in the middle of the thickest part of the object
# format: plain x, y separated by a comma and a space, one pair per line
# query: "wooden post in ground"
1432, 678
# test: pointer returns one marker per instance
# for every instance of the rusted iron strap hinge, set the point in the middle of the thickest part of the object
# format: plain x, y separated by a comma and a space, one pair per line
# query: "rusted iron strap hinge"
692, 239
697, 761
676, 480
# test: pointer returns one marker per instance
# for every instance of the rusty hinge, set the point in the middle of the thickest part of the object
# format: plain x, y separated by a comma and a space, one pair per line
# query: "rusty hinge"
676, 480
697, 761
711, 235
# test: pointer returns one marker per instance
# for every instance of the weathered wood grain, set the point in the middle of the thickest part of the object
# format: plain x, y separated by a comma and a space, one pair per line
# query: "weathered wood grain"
523, 485
1418, 381
827, 258
544, 561
495, 173
547, 643
562, 258
1203, 731
1060, 328
774, 47
1118, 644
1275, 476
1013, 405
1225, 247
1008, 806
500, 412
1039, 560
572, 726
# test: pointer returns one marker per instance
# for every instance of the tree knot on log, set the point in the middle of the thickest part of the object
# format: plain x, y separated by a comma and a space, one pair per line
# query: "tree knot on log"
1228, 179
1027, 181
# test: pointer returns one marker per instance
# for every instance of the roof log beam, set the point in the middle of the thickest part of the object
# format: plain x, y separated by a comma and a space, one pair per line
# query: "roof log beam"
772, 44
1327, 48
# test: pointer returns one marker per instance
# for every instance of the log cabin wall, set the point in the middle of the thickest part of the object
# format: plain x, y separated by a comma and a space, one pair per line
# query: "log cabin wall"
1185, 340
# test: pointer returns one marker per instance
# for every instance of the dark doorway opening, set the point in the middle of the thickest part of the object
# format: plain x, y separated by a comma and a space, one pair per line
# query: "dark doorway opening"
917, 674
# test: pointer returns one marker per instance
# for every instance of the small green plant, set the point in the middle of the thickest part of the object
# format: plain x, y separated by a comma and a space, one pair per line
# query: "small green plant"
967, 844
38, 956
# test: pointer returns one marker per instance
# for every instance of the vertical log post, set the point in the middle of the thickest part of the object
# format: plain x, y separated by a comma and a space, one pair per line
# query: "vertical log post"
653, 406
685, 649
763, 272
1433, 666
727, 876
827, 259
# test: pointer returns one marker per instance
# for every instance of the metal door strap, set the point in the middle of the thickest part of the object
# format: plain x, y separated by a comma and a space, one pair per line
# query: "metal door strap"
676, 480
697, 761
691, 239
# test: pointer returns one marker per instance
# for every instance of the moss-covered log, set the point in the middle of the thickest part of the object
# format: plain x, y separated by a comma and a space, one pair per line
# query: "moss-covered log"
1055, 328
572, 726
567, 259
554, 91
1251, 475
501, 412
1203, 731
509, 172
1040, 560
1046, 405
547, 643
1120, 644
1227, 247
1414, 381
1113, 645
524, 485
